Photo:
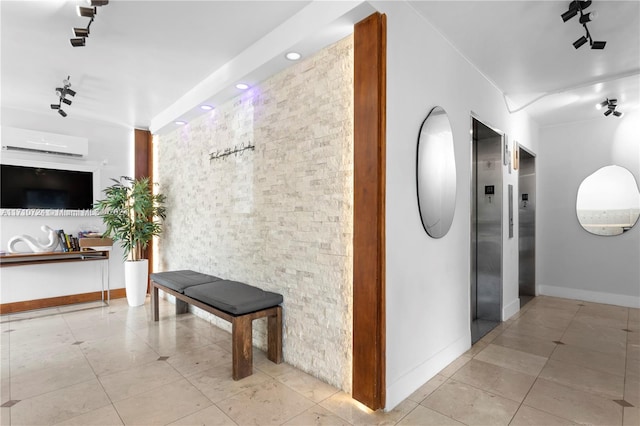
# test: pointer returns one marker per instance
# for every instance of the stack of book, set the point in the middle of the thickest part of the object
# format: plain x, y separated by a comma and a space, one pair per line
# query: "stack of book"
68, 242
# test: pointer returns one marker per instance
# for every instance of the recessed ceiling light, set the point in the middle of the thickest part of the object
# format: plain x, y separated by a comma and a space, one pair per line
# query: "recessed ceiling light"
206, 107
242, 86
180, 122
293, 56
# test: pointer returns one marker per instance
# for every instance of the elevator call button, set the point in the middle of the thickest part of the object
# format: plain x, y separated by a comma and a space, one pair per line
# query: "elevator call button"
489, 190
525, 197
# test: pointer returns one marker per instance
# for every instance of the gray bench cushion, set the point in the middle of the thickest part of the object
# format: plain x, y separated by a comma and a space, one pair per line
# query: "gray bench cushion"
233, 297
179, 280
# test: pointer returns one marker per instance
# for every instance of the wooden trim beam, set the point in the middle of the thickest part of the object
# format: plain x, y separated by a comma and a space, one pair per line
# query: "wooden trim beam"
143, 160
29, 305
369, 338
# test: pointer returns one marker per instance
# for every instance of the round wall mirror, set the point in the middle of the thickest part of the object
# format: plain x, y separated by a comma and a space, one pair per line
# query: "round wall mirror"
608, 201
436, 173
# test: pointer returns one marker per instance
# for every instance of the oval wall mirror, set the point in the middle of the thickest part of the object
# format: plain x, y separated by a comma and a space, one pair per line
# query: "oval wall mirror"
436, 173
608, 201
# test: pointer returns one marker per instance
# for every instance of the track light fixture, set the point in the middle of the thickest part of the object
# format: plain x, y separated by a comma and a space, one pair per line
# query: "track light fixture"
588, 17
61, 93
569, 14
574, 8
80, 33
77, 42
86, 12
579, 42
611, 105
577, 7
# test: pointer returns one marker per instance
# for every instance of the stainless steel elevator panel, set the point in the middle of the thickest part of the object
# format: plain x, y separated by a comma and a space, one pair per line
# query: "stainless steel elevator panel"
527, 226
486, 227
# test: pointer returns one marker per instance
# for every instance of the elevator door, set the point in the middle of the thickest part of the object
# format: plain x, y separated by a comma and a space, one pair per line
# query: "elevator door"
527, 227
486, 230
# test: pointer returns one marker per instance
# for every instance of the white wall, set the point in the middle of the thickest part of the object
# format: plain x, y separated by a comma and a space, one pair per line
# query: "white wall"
110, 149
427, 281
570, 261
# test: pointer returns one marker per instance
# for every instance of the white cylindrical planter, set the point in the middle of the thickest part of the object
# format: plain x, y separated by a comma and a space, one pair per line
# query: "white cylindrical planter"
135, 280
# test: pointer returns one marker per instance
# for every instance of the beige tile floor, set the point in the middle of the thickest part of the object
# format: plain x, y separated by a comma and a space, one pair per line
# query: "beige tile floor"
557, 362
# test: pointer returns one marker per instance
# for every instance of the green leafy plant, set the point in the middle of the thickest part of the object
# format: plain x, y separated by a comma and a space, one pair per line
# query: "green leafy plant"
131, 211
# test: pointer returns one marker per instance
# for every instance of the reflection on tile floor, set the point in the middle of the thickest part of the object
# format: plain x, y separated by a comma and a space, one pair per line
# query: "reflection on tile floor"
557, 362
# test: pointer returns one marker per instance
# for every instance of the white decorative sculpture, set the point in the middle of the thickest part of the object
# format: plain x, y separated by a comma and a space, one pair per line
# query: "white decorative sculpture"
36, 246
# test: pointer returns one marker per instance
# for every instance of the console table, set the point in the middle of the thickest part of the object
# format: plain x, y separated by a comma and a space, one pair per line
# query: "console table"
19, 259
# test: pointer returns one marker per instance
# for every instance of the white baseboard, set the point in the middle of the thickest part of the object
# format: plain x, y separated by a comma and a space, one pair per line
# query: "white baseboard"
411, 381
510, 309
590, 296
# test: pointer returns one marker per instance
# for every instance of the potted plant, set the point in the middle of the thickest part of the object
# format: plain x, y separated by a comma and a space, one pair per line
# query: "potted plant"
132, 214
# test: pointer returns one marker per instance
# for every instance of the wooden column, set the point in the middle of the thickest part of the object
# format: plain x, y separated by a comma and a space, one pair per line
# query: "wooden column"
369, 211
143, 160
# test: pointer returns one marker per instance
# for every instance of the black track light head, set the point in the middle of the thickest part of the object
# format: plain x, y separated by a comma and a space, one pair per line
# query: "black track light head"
66, 101
579, 42
598, 44
78, 42
86, 12
98, 2
71, 92
618, 113
602, 104
62, 113
608, 112
81, 32
569, 14
588, 17
55, 106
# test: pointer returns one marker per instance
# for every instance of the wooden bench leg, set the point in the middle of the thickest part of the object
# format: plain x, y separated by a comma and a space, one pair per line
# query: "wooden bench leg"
242, 343
274, 332
155, 310
182, 307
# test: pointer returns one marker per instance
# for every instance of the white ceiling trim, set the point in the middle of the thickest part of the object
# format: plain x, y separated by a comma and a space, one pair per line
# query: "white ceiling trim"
266, 56
573, 87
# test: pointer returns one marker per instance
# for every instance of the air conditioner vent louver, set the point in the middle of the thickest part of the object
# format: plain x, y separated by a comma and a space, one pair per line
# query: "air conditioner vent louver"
40, 151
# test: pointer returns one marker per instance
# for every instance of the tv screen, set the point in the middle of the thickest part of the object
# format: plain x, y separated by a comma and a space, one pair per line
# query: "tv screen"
39, 188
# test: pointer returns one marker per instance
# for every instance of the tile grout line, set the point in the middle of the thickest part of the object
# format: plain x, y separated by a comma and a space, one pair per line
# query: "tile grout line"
538, 375
626, 361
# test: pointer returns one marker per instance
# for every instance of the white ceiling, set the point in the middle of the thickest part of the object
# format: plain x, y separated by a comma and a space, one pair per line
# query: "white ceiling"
527, 51
143, 59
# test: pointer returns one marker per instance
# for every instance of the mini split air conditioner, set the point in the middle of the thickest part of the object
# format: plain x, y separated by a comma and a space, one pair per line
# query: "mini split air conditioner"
31, 141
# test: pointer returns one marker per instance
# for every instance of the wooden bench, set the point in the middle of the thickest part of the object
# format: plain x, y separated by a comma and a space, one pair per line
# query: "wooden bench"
232, 301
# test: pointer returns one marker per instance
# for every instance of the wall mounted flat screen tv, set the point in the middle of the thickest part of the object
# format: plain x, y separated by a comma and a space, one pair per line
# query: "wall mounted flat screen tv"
39, 188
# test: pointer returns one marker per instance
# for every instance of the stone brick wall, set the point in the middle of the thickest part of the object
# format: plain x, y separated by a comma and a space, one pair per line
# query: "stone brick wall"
279, 216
